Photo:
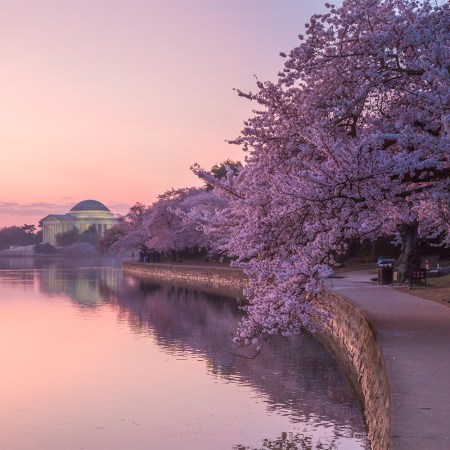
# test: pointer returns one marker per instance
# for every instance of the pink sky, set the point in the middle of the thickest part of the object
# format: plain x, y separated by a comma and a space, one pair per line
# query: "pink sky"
115, 100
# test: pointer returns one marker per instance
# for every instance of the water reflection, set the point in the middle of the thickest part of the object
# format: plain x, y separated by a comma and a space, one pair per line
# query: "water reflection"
291, 441
297, 374
43, 262
87, 281
88, 286
294, 378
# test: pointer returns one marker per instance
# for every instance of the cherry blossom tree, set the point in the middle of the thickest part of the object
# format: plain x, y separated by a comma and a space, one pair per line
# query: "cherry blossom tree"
129, 232
352, 141
165, 225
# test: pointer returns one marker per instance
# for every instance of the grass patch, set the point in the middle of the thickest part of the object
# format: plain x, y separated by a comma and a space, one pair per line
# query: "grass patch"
438, 290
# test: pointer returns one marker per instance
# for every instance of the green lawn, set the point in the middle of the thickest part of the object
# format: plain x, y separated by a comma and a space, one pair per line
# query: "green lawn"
438, 290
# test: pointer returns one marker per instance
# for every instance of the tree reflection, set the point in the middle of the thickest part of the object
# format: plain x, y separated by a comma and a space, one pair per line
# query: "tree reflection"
297, 374
290, 441
294, 376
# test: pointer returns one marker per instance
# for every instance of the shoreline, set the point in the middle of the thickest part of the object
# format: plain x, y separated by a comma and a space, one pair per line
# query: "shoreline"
348, 335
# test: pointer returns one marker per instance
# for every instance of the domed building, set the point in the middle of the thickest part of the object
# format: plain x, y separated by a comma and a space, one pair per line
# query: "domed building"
82, 216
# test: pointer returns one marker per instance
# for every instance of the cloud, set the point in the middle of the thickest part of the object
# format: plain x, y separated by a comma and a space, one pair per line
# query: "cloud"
43, 209
7, 204
42, 204
34, 208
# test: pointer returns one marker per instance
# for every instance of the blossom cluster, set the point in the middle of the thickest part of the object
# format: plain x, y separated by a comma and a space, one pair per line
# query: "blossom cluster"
161, 227
352, 141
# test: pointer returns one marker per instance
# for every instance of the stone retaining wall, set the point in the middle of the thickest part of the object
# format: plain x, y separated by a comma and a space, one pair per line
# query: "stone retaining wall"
351, 338
219, 279
347, 334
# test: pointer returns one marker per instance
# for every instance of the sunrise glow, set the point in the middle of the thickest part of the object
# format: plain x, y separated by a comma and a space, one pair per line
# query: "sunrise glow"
115, 100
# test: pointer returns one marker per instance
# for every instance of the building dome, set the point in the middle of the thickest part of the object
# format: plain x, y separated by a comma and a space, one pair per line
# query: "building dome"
89, 205
83, 216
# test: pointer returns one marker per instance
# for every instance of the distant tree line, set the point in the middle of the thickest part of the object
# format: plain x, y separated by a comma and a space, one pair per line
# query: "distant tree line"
19, 235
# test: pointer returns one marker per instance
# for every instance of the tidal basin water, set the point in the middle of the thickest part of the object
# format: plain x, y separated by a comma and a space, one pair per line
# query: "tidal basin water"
95, 360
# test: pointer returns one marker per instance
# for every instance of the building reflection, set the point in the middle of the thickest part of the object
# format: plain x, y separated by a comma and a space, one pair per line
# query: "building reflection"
85, 286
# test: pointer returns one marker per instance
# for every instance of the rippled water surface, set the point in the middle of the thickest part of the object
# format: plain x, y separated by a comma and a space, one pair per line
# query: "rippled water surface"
94, 360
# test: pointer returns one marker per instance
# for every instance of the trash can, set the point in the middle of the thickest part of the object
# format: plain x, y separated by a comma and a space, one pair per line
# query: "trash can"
385, 274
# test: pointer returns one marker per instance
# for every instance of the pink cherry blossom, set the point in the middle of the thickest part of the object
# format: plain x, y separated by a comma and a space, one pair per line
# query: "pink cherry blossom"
352, 141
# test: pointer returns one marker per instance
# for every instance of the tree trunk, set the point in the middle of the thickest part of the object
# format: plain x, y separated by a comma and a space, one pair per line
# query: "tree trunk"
373, 250
408, 257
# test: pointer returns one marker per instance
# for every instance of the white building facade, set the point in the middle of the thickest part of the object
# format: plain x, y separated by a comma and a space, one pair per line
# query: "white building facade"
82, 216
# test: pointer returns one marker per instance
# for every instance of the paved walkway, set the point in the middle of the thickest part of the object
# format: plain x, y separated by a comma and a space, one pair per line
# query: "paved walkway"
414, 335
